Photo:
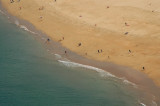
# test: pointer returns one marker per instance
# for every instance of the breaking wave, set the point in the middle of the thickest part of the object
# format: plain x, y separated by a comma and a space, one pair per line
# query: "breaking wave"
26, 29
102, 72
73, 64
23, 27
58, 56
128, 82
152, 104
142, 104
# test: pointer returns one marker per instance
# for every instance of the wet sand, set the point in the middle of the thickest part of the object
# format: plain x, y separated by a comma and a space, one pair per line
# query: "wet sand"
132, 75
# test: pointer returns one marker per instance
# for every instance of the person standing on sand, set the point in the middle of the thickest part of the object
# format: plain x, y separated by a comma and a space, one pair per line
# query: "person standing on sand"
126, 33
48, 39
143, 68
79, 44
126, 24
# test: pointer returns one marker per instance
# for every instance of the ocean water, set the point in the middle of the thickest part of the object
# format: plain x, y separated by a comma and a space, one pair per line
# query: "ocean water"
31, 76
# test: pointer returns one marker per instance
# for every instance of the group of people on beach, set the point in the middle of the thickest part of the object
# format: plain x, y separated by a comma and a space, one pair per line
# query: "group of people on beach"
99, 51
48, 40
79, 44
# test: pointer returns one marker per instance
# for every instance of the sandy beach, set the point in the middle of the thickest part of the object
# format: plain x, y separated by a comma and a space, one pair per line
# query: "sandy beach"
123, 32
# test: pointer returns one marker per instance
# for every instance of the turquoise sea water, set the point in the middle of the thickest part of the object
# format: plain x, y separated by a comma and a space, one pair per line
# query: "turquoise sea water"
30, 76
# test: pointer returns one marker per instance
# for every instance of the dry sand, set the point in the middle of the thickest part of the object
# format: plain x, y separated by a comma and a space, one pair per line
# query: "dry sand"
100, 24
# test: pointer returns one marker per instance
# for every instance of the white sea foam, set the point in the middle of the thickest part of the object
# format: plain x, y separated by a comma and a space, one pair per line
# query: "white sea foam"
152, 104
58, 56
142, 104
73, 64
102, 72
25, 28
128, 82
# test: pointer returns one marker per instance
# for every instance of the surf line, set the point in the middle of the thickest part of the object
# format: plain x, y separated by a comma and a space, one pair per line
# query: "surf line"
102, 72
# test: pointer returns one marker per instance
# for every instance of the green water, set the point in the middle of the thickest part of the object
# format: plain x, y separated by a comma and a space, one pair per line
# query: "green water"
30, 76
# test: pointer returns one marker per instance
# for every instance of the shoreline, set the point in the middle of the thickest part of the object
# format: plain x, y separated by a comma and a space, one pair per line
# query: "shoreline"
123, 44
134, 76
